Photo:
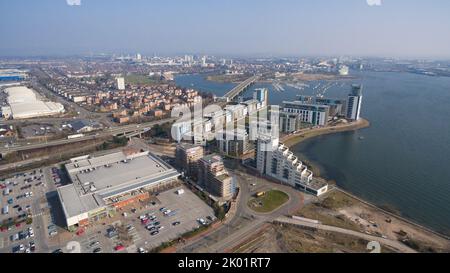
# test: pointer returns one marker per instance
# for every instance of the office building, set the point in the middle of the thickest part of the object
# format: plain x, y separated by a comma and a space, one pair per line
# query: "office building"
214, 178
121, 83
278, 162
187, 157
102, 185
354, 103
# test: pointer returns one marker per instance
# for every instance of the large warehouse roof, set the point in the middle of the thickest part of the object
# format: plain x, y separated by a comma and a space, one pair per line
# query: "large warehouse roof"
23, 103
95, 179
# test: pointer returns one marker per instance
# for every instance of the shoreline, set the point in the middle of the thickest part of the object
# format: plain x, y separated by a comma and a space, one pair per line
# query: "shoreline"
292, 140
399, 217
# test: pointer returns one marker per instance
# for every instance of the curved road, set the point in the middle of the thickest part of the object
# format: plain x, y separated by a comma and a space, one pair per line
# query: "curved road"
245, 222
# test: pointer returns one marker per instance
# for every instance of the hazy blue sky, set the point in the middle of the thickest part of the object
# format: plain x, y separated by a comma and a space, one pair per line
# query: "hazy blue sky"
401, 28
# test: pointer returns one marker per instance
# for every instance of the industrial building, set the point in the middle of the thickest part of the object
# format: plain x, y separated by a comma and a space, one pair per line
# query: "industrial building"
23, 103
7, 75
85, 126
106, 183
277, 161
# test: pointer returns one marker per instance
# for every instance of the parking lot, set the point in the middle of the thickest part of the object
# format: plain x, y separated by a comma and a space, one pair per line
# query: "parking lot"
183, 212
27, 195
20, 200
187, 208
33, 194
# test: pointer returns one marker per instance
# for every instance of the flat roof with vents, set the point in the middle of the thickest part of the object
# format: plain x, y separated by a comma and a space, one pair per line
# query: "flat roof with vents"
95, 179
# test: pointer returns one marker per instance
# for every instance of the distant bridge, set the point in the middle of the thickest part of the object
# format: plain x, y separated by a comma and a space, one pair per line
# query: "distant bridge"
241, 88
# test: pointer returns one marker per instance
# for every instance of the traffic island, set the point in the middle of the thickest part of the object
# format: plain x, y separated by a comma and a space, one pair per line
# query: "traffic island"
265, 202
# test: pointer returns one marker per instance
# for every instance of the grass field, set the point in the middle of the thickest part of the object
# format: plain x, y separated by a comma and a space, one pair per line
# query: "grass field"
269, 202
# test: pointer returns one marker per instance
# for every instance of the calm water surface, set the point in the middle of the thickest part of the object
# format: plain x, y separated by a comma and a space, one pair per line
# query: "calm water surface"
403, 162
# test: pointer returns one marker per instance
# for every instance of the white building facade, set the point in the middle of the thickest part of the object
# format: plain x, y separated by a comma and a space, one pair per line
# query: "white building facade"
277, 161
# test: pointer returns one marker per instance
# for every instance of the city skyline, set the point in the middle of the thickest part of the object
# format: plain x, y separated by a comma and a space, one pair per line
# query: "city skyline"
263, 28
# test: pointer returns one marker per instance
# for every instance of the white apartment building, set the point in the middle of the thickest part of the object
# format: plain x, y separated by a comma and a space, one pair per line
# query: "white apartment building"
277, 161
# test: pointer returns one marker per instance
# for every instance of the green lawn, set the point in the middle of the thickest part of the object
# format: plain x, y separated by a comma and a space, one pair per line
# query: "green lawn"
269, 202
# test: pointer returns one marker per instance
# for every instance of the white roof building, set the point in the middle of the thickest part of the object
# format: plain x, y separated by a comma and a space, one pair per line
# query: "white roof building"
23, 104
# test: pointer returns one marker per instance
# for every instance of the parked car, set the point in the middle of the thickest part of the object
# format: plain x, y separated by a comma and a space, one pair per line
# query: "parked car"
119, 248
97, 250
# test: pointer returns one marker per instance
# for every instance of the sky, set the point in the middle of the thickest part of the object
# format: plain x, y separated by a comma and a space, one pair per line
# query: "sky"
384, 28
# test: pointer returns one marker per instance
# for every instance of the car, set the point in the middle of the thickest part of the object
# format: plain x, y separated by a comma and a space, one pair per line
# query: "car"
32, 246
59, 250
154, 233
53, 233
162, 209
176, 223
151, 228
94, 243
142, 250
97, 250
160, 227
119, 247
167, 212
130, 228
145, 221
27, 250
201, 221
142, 217
21, 247
156, 223
16, 249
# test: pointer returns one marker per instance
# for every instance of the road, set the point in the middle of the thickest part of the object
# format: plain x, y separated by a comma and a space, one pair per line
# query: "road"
107, 132
245, 222
391, 243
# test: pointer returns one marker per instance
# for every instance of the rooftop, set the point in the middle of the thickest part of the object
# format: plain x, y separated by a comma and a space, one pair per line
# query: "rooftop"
98, 178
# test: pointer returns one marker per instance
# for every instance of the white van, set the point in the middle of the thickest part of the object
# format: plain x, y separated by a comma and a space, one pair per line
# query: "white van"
5, 209
6, 191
